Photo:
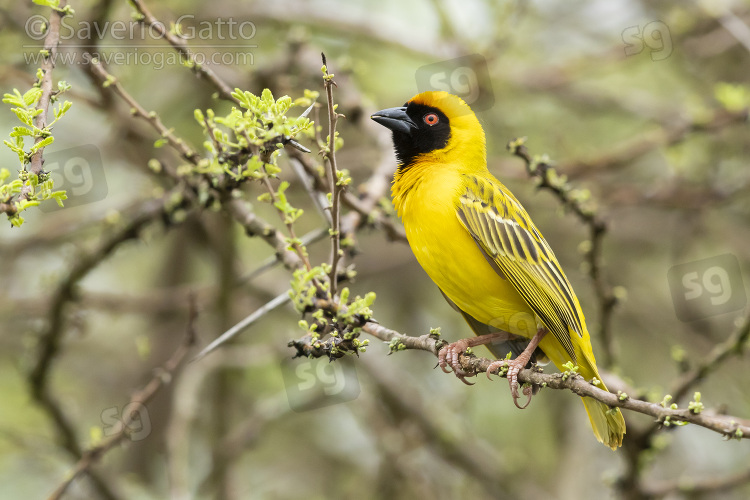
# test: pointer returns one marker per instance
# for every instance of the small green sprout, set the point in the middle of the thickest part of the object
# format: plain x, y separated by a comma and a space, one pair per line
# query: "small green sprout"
695, 406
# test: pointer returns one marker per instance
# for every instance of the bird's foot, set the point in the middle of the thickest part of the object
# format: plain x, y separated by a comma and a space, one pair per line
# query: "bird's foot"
448, 359
514, 368
449, 356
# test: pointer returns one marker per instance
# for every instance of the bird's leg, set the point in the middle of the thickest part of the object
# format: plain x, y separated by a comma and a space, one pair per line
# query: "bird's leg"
448, 356
516, 365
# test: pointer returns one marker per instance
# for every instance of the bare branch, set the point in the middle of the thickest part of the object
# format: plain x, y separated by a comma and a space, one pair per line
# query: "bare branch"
181, 46
162, 376
151, 117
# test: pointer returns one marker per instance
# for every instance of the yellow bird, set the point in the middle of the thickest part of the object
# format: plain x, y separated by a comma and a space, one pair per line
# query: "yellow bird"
478, 244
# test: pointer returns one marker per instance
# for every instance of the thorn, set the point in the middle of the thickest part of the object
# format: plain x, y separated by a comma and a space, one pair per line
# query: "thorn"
297, 145
307, 111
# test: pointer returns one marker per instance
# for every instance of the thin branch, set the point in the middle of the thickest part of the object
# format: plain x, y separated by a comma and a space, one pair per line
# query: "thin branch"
150, 116
364, 207
181, 46
51, 43
736, 345
333, 178
252, 224
726, 425
277, 301
294, 241
626, 152
162, 376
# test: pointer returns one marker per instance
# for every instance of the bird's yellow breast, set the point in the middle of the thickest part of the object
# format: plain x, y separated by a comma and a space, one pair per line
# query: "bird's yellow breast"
426, 196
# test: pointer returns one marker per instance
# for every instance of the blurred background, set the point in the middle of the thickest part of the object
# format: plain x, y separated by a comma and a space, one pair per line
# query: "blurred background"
644, 104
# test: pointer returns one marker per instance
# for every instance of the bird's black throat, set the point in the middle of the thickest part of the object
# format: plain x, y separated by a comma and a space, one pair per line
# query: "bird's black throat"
424, 139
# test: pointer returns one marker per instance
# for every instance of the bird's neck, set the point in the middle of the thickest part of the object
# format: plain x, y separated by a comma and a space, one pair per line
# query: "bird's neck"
435, 177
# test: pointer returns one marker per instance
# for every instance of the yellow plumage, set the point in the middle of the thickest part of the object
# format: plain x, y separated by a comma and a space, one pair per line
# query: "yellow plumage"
478, 244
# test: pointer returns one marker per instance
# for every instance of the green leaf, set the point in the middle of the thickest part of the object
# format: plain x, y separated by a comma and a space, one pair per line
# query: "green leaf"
15, 98
42, 144
32, 96
23, 115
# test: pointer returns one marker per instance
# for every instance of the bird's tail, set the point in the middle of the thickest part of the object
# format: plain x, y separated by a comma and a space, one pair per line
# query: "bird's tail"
608, 423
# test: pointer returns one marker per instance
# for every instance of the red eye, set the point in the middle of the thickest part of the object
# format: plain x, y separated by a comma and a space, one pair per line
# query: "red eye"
431, 119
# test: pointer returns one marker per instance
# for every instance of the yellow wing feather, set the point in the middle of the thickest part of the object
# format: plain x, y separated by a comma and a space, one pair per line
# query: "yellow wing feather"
505, 232
508, 238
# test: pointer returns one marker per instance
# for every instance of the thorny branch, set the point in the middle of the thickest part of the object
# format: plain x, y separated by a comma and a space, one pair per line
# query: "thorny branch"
51, 43
333, 178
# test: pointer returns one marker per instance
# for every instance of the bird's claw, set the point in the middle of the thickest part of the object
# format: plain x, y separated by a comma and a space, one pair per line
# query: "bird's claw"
514, 368
448, 360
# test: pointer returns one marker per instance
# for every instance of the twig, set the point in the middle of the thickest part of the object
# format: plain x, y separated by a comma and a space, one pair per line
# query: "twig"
162, 376
736, 344
294, 241
626, 152
51, 43
152, 117
364, 208
726, 425
335, 187
277, 301
181, 46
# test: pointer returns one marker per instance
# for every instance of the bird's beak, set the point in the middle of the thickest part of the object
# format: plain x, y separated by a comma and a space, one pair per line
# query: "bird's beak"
395, 119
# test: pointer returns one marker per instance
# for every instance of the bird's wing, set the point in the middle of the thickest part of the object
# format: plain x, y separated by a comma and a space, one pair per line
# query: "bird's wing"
519, 253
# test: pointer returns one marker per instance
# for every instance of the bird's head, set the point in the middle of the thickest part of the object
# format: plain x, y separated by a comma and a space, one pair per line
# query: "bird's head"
431, 126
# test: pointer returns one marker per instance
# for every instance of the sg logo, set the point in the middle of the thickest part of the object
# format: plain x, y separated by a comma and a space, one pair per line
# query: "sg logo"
315, 383
133, 419
707, 287
80, 172
467, 77
655, 36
